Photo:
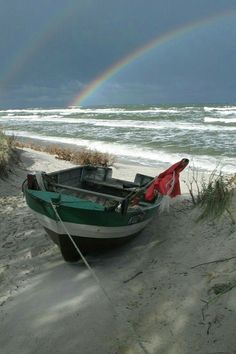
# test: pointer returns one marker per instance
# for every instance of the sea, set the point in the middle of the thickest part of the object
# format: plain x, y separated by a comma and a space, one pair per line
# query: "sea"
151, 135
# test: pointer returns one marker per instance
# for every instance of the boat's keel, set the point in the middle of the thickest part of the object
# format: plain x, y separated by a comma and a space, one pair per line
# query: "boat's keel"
85, 244
68, 250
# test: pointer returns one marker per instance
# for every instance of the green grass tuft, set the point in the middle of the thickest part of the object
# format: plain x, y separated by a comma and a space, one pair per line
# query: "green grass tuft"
8, 154
215, 198
213, 194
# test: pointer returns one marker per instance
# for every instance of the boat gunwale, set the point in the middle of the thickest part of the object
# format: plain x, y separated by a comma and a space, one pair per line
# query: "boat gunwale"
142, 207
123, 201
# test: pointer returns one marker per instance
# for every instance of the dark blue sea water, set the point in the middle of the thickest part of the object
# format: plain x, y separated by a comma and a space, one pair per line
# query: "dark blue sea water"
150, 135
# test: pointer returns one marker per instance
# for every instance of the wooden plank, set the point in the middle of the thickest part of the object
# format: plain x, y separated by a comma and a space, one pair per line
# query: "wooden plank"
107, 196
111, 185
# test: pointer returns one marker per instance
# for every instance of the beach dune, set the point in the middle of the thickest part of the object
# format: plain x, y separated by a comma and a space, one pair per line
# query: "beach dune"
152, 292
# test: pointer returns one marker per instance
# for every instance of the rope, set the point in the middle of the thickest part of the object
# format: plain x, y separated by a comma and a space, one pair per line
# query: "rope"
78, 250
40, 180
97, 279
165, 202
172, 184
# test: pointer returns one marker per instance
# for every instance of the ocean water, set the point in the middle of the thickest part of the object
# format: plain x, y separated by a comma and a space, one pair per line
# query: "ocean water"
150, 135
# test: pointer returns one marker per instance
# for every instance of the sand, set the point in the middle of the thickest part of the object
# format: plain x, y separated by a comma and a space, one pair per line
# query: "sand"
153, 292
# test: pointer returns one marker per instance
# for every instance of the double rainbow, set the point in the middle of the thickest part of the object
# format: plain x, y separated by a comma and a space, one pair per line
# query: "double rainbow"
158, 41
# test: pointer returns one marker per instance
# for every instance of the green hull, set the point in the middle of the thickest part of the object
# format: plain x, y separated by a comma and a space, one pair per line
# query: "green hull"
87, 215
80, 212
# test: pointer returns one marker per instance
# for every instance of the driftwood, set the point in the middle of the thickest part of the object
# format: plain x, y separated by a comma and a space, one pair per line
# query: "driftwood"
134, 276
216, 261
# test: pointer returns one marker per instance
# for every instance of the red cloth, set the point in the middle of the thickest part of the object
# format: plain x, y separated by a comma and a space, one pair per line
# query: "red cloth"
167, 183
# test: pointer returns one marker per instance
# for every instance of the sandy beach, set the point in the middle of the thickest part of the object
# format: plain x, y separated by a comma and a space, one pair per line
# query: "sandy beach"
157, 293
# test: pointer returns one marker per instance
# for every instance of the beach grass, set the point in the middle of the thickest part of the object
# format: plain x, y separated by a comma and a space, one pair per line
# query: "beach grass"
8, 154
80, 157
213, 194
216, 197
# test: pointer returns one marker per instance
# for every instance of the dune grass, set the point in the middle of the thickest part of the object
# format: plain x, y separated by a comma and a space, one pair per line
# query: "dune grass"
80, 157
8, 154
216, 197
214, 194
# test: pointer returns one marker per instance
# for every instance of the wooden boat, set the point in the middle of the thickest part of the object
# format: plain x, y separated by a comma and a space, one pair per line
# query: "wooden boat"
87, 203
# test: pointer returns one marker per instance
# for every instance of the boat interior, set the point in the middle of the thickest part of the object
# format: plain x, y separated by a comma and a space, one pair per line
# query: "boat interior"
94, 183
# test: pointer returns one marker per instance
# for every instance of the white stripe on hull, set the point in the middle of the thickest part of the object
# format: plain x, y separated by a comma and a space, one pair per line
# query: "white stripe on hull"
92, 231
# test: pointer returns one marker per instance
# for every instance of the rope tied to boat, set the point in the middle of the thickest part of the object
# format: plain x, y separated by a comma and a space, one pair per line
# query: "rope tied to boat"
165, 201
54, 206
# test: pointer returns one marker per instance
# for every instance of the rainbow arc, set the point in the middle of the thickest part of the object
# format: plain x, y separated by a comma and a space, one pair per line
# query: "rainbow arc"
158, 41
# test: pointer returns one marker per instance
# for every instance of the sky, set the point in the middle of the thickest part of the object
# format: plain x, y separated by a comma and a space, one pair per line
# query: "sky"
108, 52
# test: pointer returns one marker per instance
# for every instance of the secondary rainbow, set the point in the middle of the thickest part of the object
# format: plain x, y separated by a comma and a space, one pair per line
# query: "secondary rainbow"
131, 57
24, 55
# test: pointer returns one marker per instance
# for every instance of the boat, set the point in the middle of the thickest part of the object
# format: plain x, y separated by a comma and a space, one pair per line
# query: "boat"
88, 204
85, 209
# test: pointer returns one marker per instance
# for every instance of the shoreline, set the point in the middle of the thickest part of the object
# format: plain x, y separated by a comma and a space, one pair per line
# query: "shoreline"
162, 165
122, 169
156, 282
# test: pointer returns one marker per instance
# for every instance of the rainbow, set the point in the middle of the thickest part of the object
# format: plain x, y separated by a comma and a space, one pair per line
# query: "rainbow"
16, 65
109, 73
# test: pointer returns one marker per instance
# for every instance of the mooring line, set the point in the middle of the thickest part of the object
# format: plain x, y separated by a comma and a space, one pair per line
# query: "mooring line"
98, 281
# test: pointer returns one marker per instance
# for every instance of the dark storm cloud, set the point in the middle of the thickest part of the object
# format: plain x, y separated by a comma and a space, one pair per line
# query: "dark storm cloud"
49, 50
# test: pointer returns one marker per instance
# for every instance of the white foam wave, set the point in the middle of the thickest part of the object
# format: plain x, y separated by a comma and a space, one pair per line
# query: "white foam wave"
62, 111
135, 153
221, 111
116, 110
21, 117
226, 113
160, 125
222, 120
151, 124
42, 111
41, 119
158, 110
217, 108
72, 111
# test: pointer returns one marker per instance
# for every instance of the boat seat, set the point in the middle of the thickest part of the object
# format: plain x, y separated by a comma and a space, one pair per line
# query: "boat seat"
143, 203
130, 185
121, 186
142, 180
